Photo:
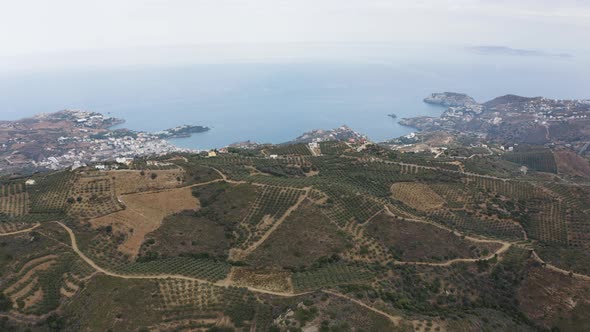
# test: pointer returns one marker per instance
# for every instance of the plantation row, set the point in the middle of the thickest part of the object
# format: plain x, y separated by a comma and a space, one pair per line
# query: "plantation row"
178, 293
207, 269
548, 223
575, 196
186, 300
350, 207
12, 188
290, 150
50, 192
541, 160
270, 205
333, 148
188, 293
92, 197
15, 205
102, 248
465, 222
578, 229
512, 189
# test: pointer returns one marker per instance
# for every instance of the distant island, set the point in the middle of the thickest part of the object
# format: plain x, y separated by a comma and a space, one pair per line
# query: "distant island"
392, 115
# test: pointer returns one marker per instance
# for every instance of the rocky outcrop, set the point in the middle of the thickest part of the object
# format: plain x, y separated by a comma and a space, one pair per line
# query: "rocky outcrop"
451, 99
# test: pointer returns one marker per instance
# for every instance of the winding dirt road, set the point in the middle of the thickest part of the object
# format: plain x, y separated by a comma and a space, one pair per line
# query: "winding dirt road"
160, 276
21, 231
395, 319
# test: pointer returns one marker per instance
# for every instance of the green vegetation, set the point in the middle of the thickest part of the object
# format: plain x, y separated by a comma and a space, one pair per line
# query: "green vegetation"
290, 150
535, 158
330, 275
380, 228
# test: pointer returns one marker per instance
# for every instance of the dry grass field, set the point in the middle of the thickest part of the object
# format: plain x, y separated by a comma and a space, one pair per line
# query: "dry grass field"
566, 301
421, 242
271, 280
133, 181
570, 163
144, 213
304, 237
417, 195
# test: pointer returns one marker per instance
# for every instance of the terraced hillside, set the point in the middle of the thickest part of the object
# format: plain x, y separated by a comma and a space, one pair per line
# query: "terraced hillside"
348, 240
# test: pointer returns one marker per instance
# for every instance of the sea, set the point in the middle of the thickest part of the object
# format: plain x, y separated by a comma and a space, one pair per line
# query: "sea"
276, 101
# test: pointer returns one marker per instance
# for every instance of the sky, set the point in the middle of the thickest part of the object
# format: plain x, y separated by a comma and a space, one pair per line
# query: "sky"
36, 31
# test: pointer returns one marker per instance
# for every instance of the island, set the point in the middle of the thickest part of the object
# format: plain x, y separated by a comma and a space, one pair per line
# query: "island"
392, 115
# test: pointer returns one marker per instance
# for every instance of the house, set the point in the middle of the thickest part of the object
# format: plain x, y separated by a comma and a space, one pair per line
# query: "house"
125, 161
212, 153
30, 182
273, 156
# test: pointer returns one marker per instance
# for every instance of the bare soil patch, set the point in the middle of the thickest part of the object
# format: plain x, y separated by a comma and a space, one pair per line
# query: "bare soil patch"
271, 280
570, 163
144, 213
131, 181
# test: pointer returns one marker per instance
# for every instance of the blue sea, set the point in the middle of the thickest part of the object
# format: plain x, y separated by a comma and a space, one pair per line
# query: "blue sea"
277, 101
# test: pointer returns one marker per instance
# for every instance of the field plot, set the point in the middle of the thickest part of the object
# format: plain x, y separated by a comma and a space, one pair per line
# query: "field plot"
456, 195
418, 196
203, 268
188, 293
333, 148
271, 280
127, 182
303, 238
513, 189
329, 312
270, 206
467, 222
330, 276
347, 203
570, 163
290, 150
92, 196
50, 192
14, 200
421, 242
39, 285
188, 233
556, 293
144, 213
548, 223
538, 159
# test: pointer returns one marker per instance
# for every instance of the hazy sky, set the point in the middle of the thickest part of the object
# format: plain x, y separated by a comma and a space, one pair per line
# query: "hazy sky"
39, 26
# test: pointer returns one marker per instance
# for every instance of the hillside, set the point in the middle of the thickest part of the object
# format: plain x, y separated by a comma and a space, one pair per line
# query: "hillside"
350, 238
